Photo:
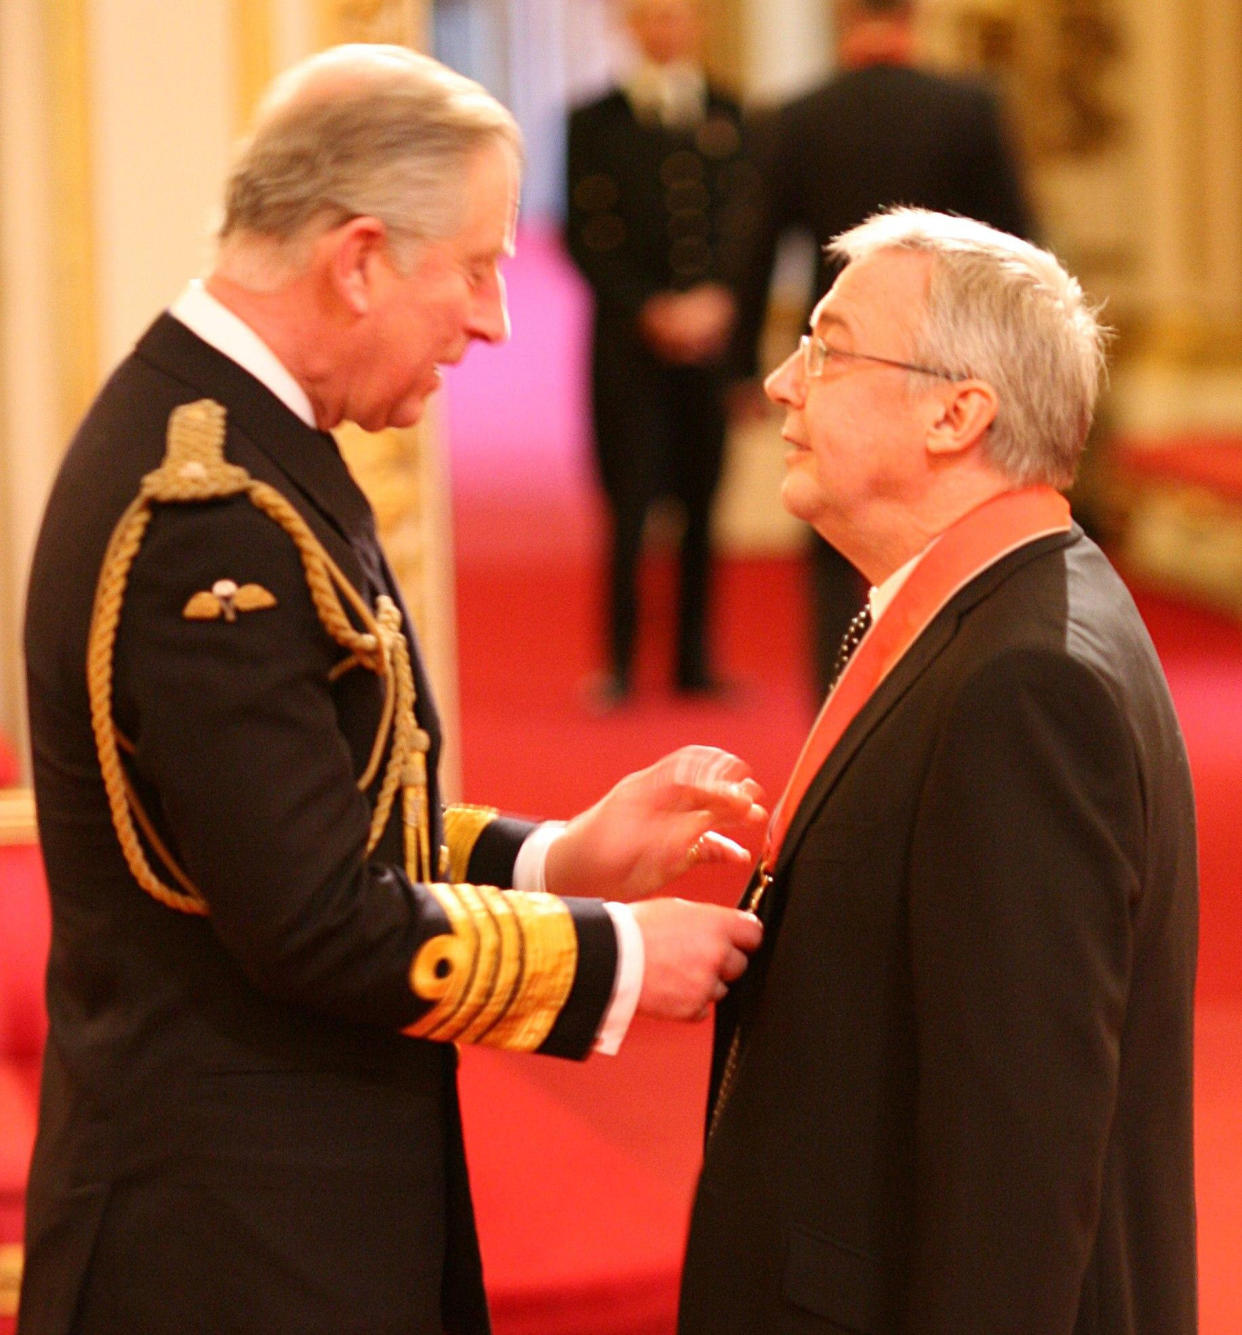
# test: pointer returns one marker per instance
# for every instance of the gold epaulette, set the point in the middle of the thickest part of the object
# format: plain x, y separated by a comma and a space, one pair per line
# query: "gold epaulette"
503, 973
194, 469
463, 824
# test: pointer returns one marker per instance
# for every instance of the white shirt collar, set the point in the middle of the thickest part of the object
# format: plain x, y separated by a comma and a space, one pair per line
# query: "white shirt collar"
216, 325
675, 94
880, 595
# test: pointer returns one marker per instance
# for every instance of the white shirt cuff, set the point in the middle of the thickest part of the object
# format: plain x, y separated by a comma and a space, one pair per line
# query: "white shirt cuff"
528, 875
628, 983
533, 855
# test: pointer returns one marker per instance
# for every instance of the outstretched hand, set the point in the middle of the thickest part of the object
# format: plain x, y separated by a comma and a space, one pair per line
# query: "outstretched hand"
655, 825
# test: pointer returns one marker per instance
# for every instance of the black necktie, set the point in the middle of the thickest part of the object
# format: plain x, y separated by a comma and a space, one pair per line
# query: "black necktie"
850, 641
858, 627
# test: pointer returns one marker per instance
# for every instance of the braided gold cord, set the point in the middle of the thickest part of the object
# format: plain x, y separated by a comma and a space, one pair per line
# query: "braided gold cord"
407, 766
326, 581
324, 578
194, 469
105, 617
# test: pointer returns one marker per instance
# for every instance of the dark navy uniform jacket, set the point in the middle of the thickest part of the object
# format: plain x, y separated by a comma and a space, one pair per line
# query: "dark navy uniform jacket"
235, 1133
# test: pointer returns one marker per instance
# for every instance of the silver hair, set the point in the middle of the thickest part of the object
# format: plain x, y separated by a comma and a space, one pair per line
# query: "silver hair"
362, 130
1005, 311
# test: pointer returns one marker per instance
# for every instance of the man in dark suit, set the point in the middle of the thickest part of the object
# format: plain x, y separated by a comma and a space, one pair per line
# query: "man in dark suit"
879, 132
267, 934
953, 1092
655, 175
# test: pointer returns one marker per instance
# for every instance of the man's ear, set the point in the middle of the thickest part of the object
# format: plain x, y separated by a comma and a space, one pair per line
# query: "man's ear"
350, 255
961, 416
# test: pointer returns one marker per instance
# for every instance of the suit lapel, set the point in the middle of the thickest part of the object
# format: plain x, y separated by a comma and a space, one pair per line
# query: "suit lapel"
917, 659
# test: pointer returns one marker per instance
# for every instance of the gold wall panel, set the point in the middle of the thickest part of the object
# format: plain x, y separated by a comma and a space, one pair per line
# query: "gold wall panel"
400, 21
74, 284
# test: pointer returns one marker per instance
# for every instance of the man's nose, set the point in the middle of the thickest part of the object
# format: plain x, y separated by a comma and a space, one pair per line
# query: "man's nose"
785, 384
489, 319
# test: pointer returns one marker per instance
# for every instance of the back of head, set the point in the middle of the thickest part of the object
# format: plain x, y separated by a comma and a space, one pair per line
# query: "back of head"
666, 31
1005, 311
874, 32
360, 130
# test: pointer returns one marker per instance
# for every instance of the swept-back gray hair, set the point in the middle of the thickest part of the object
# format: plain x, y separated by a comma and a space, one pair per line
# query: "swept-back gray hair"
1002, 310
362, 130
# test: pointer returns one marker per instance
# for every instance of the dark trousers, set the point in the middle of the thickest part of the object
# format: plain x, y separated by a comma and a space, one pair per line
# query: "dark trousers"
659, 432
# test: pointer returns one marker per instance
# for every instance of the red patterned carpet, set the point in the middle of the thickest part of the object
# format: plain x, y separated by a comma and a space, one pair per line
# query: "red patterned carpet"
583, 1173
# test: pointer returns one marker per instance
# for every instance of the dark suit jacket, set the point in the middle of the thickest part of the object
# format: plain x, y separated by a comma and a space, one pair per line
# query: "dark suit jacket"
652, 209
234, 1134
866, 139
963, 1102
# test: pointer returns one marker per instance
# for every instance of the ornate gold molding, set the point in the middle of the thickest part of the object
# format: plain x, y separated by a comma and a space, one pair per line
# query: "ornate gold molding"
253, 62
399, 21
75, 290
1057, 63
17, 816
1187, 340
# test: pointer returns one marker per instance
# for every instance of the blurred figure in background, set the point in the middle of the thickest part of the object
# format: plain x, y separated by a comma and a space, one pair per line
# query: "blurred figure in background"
655, 172
880, 131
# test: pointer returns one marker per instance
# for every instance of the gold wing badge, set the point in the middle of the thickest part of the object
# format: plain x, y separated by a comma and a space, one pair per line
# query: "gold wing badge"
225, 599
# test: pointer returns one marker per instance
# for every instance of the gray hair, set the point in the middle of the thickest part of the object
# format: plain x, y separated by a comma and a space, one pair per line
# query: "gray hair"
362, 130
1002, 310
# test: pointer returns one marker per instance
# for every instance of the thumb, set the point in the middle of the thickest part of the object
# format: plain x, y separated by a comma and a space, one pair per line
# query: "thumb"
745, 931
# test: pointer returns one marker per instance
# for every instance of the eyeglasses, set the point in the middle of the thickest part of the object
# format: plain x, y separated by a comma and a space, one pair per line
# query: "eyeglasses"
816, 354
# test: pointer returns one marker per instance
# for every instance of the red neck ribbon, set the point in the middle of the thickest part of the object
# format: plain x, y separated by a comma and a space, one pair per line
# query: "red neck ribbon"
964, 550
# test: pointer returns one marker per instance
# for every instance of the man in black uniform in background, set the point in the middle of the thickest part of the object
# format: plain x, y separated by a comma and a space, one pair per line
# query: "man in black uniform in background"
655, 170
879, 132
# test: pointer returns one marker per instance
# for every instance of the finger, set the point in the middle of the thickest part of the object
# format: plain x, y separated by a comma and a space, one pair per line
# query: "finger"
703, 767
718, 993
724, 804
711, 846
732, 967
704, 847
745, 931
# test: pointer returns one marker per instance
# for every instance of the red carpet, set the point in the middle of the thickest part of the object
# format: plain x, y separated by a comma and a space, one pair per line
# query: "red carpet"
583, 1174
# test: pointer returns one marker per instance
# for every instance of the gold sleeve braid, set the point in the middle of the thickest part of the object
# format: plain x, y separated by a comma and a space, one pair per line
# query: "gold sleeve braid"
463, 824
502, 975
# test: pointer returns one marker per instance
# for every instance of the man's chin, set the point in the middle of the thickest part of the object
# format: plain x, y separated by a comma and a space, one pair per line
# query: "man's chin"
410, 415
405, 414
795, 501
